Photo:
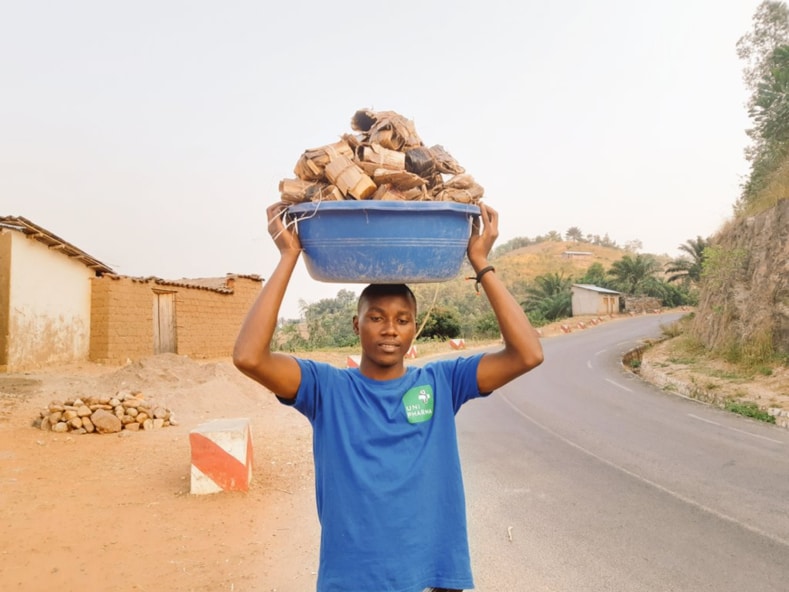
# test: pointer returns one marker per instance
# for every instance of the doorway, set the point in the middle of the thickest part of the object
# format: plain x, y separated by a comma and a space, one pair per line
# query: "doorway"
164, 335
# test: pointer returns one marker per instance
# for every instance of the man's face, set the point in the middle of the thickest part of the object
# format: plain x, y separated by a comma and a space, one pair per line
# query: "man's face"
386, 326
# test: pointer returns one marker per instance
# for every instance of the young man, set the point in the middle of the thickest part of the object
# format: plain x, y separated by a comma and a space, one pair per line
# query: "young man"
388, 480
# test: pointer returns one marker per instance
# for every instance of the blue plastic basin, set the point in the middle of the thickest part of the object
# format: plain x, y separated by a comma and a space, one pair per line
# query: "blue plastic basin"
382, 242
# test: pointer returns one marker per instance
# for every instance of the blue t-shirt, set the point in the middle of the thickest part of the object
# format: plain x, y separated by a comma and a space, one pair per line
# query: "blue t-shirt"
388, 481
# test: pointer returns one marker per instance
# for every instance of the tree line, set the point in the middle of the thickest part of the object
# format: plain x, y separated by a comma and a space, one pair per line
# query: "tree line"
765, 53
453, 309
573, 234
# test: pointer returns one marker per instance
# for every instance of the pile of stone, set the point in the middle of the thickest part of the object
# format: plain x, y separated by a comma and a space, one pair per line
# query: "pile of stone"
104, 415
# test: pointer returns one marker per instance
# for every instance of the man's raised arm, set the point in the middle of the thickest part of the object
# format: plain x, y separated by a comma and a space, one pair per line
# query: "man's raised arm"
252, 353
522, 349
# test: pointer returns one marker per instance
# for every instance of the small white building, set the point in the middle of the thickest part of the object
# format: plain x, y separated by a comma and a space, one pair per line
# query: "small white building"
45, 297
594, 300
577, 254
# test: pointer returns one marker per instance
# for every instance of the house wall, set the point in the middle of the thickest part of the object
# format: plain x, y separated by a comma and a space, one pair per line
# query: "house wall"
122, 319
589, 302
48, 319
585, 302
5, 288
207, 321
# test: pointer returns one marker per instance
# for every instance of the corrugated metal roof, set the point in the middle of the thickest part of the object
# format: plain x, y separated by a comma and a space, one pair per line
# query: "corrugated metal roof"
594, 288
53, 241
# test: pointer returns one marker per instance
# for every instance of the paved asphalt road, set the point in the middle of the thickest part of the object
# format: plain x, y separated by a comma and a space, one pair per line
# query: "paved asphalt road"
581, 477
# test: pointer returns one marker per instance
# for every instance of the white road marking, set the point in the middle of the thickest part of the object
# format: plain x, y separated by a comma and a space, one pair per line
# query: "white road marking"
624, 388
720, 425
589, 364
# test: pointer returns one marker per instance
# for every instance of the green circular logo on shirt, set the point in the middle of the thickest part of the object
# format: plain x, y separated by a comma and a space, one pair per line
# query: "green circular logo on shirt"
418, 403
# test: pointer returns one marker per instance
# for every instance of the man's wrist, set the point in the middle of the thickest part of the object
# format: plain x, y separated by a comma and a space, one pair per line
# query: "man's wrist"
479, 266
290, 254
481, 273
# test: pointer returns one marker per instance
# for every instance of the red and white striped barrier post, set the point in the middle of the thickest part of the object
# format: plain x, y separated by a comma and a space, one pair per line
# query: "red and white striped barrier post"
221, 456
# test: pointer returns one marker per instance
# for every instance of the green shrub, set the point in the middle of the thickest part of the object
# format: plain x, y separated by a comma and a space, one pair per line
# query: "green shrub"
748, 409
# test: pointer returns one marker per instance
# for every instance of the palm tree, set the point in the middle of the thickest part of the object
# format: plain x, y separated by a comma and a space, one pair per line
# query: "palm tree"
595, 275
550, 297
553, 235
633, 273
688, 270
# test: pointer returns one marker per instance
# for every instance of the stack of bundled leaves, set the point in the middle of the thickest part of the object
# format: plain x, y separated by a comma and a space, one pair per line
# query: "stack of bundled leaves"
384, 160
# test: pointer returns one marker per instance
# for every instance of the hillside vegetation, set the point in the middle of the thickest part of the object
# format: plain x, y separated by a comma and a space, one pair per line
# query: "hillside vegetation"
743, 313
520, 267
539, 273
526, 263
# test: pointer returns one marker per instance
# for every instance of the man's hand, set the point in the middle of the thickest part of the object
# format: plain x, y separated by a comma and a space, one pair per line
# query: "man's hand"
284, 234
481, 240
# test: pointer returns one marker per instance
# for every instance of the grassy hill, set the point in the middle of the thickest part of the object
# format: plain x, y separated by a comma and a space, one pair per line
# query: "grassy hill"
548, 257
517, 268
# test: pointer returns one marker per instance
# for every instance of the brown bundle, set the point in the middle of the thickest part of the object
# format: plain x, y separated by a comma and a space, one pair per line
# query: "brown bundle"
312, 163
349, 178
386, 128
297, 190
386, 160
460, 188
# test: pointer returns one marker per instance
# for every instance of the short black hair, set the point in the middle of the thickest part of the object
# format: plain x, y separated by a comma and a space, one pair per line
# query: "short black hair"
377, 290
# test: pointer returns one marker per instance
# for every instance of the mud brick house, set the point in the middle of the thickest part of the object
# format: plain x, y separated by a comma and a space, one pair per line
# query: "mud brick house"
593, 300
58, 305
133, 318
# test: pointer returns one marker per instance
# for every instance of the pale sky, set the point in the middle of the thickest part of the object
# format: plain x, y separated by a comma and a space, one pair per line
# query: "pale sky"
153, 135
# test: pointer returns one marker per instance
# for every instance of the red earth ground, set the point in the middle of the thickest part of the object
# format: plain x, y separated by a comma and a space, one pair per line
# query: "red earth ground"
114, 512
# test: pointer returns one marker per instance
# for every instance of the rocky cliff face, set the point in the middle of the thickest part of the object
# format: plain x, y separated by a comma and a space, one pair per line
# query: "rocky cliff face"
744, 301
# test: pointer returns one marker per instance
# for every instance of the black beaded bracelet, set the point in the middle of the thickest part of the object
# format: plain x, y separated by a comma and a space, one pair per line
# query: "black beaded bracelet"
482, 272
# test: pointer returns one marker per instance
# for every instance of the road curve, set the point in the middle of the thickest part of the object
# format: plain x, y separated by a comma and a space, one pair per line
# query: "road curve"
581, 477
